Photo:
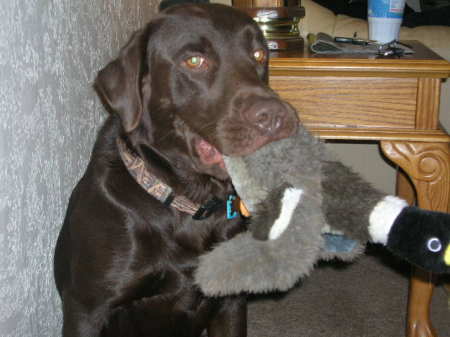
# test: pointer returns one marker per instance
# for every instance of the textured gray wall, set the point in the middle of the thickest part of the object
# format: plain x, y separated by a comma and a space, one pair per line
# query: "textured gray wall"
50, 51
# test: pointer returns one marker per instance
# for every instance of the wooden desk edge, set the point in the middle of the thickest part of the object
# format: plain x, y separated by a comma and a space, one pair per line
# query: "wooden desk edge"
357, 134
423, 63
355, 67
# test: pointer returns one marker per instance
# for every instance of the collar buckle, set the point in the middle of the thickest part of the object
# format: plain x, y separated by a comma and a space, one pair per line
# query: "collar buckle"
206, 210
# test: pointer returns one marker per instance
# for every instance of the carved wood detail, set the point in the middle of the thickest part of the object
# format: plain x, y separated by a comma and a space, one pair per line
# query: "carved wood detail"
405, 188
428, 166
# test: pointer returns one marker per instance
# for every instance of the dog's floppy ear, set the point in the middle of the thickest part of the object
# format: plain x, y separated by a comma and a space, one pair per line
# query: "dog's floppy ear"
119, 83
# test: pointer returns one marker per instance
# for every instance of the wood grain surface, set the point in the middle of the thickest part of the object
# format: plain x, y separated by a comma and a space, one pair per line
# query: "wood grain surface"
428, 98
351, 102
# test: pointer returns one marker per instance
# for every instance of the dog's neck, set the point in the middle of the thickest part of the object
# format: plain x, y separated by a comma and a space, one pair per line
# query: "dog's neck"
161, 191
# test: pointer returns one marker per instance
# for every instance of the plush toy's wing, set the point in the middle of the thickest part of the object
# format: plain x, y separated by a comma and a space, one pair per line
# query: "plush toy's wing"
245, 264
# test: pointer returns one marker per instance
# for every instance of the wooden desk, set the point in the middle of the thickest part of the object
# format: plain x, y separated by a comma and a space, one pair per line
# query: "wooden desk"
391, 100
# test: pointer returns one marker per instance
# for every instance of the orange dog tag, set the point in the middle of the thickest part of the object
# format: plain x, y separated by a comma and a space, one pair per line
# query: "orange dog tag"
243, 209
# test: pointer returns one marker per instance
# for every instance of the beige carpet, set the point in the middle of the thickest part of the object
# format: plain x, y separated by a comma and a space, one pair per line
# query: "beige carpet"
363, 299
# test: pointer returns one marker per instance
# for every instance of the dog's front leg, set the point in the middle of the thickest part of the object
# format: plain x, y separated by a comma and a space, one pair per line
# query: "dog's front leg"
78, 323
231, 319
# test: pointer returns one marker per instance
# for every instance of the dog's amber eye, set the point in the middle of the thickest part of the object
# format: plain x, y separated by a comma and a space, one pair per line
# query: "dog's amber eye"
259, 55
195, 62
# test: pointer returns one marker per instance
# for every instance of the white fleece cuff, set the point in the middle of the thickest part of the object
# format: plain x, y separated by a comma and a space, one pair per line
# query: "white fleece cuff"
291, 198
383, 217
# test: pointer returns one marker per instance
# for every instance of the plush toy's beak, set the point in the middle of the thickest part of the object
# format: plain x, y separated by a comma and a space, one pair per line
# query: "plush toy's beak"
447, 256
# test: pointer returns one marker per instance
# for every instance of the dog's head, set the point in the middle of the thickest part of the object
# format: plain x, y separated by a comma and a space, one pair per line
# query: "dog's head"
195, 79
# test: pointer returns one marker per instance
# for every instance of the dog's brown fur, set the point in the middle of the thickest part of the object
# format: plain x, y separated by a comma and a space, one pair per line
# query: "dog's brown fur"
124, 261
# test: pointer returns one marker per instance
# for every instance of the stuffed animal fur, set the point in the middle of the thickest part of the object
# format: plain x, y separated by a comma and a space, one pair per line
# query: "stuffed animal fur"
307, 206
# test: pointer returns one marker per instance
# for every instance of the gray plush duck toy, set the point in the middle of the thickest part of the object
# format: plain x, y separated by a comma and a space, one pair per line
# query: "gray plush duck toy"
307, 206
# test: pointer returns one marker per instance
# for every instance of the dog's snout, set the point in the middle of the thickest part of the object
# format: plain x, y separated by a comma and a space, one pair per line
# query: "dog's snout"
265, 119
266, 114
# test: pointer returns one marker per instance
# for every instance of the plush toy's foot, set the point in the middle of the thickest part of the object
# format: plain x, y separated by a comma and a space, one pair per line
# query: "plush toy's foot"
422, 238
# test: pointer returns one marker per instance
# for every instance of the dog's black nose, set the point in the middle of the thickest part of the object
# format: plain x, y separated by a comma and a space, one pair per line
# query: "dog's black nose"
267, 115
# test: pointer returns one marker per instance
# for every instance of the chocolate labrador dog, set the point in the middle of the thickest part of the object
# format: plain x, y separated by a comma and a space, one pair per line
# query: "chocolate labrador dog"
188, 88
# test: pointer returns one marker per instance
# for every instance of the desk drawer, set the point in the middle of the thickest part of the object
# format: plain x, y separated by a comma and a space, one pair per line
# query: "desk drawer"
351, 102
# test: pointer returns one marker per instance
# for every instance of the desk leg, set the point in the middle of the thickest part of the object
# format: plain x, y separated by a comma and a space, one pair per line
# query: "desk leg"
428, 167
